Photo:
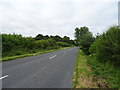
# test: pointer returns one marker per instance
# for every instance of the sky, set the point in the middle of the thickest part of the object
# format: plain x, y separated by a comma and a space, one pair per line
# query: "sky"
56, 17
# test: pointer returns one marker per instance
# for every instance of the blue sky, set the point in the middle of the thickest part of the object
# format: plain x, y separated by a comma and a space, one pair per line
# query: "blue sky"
57, 17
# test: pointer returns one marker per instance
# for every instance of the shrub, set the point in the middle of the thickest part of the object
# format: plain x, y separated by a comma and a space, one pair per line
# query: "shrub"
11, 41
45, 44
107, 47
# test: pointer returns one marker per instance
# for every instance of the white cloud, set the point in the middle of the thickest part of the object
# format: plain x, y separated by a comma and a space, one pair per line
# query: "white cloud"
30, 17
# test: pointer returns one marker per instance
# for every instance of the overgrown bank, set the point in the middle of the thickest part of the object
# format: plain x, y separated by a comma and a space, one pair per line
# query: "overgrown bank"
105, 73
90, 73
101, 59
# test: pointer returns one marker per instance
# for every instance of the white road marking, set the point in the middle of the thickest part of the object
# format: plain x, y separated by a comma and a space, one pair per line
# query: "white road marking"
4, 77
52, 56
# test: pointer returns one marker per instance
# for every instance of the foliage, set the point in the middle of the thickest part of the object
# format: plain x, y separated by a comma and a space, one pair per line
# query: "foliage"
63, 44
107, 47
45, 44
84, 38
39, 37
56, 38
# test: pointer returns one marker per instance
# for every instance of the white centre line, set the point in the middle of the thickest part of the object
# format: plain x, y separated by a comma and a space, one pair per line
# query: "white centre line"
4, 77
52, 56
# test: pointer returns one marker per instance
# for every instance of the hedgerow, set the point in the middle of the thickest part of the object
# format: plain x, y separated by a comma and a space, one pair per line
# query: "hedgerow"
14, 44
107, 47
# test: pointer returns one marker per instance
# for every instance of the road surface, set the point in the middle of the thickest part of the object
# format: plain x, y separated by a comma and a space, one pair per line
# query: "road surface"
50, 70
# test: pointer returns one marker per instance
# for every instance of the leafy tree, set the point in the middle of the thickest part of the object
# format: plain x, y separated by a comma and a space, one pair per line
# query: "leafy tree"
66, 39
72, 42
39, 37
84, 38
57, 38
46, 37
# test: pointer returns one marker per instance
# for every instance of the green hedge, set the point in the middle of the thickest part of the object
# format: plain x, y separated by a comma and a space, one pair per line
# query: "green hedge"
14, 44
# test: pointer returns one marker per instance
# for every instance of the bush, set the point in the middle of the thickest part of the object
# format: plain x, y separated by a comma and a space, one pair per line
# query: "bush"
107, 47
11, 41
45, 44
63, 44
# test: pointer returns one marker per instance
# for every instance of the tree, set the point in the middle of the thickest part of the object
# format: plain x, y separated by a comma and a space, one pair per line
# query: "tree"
39, 37
66, 39
57, 38
84, 38
46, 37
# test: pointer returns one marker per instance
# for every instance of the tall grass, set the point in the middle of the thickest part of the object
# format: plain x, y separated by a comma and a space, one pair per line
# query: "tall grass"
106, 71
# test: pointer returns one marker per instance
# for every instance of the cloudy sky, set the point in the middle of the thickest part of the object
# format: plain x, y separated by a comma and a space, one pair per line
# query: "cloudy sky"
56, 17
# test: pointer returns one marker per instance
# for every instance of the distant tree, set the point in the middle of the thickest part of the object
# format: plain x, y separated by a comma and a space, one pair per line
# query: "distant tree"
97, 35
84, 38
66, 39
46, 37
72, 42
39, 37
51, 37
57, 38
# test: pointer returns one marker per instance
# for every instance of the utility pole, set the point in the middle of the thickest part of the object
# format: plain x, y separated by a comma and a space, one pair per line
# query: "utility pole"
119, 14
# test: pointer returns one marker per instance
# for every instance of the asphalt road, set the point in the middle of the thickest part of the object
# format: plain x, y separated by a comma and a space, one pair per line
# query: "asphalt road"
50, 70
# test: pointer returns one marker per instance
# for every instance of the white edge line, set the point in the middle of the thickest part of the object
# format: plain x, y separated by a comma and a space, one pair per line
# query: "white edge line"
4, 77
52, 56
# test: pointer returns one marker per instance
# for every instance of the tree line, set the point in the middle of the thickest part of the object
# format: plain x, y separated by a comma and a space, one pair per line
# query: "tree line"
56, 38
16, 44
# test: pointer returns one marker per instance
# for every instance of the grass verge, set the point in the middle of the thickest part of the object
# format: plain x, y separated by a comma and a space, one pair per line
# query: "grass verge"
31, 54
82, 77
90, 73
